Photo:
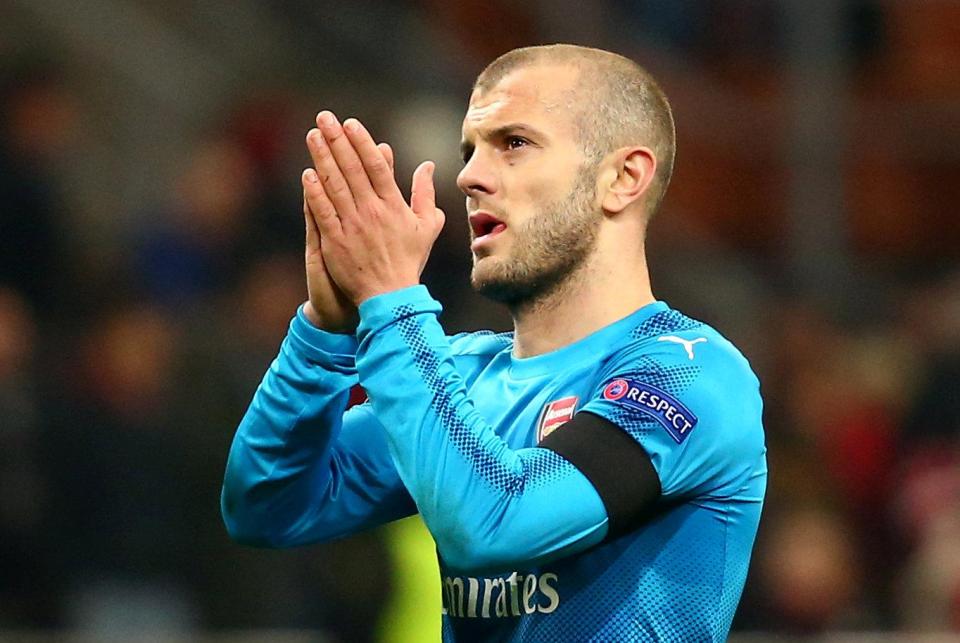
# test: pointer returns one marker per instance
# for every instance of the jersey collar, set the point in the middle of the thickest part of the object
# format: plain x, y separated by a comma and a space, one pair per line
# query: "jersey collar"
587, 349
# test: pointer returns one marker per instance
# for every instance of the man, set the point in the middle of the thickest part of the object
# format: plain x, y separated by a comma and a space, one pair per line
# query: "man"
597, 474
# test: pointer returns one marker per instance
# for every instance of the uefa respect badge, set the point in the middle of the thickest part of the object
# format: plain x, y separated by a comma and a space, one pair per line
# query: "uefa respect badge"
653, 402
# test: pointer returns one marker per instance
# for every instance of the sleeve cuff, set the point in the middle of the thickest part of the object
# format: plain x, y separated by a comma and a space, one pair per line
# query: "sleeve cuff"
381, 311
332, 350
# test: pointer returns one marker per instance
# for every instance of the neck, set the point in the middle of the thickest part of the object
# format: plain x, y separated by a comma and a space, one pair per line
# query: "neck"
593, 296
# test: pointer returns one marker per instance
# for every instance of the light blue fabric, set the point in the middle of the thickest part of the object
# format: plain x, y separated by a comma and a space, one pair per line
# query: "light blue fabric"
451, 430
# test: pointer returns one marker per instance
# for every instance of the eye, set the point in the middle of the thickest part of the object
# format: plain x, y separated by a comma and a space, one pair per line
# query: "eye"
516, 142
465, 154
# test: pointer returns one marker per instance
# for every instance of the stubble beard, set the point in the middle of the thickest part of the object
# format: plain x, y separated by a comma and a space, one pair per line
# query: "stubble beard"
549, 251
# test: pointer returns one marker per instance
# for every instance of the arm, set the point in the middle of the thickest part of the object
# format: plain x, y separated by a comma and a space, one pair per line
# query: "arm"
300, 470
488, 507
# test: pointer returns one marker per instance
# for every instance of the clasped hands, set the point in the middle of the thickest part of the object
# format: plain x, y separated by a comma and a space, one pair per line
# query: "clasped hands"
363, 238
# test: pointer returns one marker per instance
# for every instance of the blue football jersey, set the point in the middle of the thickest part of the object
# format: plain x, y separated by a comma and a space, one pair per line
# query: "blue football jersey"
451, 430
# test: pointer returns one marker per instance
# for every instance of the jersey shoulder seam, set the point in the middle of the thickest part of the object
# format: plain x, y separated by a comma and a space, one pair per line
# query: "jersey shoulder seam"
667, 321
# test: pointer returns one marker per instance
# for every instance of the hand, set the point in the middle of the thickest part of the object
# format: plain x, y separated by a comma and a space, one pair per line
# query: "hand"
371, 241
327, 307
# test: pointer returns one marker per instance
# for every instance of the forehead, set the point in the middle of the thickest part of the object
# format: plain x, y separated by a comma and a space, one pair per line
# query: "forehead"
541, 95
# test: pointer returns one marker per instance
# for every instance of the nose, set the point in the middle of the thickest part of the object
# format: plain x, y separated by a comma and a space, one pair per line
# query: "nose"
477, 177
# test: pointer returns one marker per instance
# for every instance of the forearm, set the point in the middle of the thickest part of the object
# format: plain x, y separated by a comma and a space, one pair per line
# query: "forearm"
280, 462
487, 506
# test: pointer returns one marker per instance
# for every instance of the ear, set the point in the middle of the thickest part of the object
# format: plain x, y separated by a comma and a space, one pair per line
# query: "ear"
627, 177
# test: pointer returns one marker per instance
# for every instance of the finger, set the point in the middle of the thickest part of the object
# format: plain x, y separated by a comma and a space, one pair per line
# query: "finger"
319, 206
332, 183
346, 157
313, 235
387, 152
423, 196
374, 164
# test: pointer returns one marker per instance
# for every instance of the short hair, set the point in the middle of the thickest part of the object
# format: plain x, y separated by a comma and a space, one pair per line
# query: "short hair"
619, 102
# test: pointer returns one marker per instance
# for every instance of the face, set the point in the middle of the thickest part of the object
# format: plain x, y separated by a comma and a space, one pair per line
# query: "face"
530, 196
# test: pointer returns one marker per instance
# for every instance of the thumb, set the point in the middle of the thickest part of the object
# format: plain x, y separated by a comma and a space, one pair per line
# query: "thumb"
423, 196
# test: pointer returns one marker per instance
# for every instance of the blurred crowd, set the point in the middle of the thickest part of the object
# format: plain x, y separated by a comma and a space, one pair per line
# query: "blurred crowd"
127, 357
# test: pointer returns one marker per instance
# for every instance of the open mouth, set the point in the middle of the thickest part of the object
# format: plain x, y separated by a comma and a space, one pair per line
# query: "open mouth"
485, 225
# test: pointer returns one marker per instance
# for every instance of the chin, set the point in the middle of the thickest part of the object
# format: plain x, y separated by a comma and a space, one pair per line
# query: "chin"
488, 268
495, 283
484, 268
502, 292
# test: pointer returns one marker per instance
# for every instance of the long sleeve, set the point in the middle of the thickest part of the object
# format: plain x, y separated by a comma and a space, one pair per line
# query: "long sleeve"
489, 507
301, 470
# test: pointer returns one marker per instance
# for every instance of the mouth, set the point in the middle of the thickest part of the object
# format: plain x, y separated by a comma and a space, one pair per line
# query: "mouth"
485, 227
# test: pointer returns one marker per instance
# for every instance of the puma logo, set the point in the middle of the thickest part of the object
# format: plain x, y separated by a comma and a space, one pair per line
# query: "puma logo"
687, 343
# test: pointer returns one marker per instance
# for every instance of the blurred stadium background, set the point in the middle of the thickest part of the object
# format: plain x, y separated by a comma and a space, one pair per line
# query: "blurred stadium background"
150, 258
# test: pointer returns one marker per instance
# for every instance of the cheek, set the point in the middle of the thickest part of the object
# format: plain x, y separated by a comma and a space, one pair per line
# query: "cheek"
528, 197
549, 180
540, 186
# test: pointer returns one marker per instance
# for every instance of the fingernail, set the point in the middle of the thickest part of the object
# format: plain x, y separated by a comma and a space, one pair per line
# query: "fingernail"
312, 176
316, 137
351, 125
327, 118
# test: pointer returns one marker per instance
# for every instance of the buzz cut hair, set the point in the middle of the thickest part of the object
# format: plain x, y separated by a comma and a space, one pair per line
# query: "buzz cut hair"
616, 103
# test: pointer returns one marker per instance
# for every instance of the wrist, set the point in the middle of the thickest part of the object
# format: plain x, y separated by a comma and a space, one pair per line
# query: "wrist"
378, 291
345, 326
311, 314
333, 351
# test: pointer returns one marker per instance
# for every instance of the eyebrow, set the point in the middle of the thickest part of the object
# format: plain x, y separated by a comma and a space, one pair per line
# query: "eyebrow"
499, 132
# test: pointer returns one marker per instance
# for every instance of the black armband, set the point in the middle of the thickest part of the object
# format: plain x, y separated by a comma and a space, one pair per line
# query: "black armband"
615, 464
